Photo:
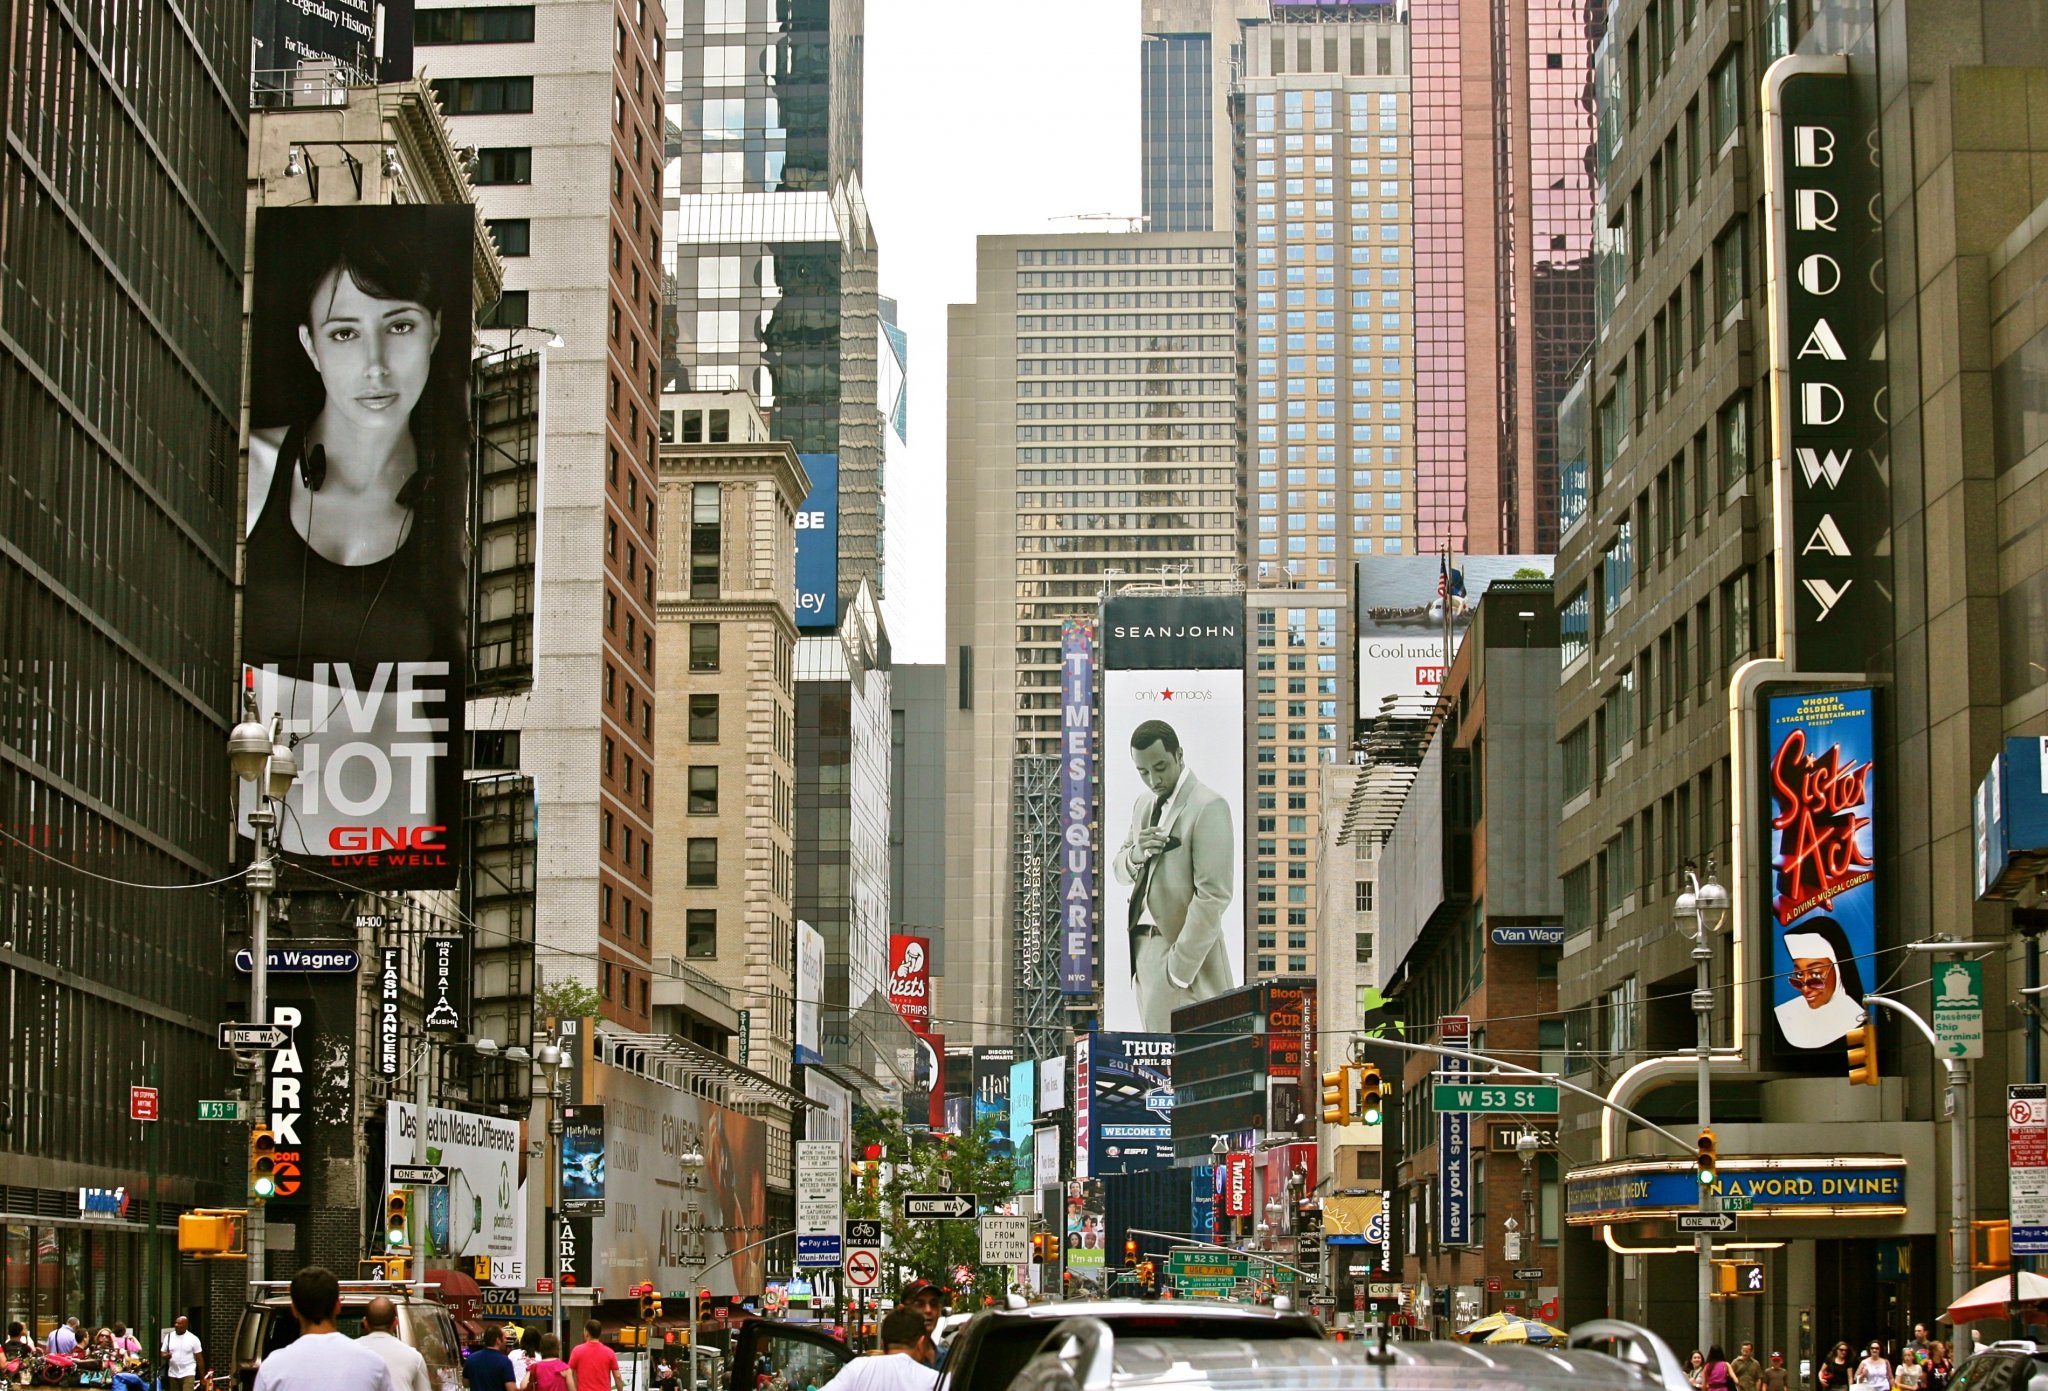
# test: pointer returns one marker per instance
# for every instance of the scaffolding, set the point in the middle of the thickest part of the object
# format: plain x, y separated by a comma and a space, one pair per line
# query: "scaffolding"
1039, 1006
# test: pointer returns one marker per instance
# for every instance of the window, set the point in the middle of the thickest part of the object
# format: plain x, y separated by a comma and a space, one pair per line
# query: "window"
508, 312
483, 96
1727, 84
1731, 268
700, 933
1578, 898
703, 790
703, 719
1361, 896
1578, 762
474, 24
704, 540
1574, 626
514, 235
703, 647
503, 164
700, 865
1735, 441
1361, 947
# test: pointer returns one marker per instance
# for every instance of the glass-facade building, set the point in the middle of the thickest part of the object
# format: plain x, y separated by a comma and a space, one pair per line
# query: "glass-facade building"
766, 241
120, 380
1176, 126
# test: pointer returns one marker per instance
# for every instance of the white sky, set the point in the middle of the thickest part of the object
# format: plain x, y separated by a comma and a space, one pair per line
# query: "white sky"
981, 119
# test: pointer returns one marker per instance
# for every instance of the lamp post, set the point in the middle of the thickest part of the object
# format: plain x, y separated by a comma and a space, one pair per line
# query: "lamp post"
1525, 1150
547, 1054
258, 755
1219, 1156
691, 1164
1704, 904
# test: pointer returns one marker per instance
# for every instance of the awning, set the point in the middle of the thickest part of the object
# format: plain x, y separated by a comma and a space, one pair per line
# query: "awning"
687, 1067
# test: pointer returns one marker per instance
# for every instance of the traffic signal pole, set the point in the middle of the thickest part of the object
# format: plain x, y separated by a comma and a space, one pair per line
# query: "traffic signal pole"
1959, 1146
419, 1156
260, 881
1702, 1012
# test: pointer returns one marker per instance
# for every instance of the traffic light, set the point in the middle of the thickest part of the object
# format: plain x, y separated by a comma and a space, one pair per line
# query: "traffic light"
262, 1164
1708, 1160
1862, 1041
1991, 1245
1130, 1250
650, 1307
1371, 1094
1337, 1096
398, 1218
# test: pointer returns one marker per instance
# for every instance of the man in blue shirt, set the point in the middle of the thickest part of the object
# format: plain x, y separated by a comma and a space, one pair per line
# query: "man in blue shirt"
488, 1368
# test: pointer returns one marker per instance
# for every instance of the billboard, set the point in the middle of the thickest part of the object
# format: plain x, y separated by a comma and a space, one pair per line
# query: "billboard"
991, 1097
1401, 611
1022, 1114
910, 994
581, 1182
1077, 807
1127, 1082
358, 42
810, 990
1820, 850
1173, 740
354, 624
481, 1209
817, 545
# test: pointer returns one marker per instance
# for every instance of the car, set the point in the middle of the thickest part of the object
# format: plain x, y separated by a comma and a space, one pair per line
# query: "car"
2014, 1364
1087, 1354
270, 1323
986, 1350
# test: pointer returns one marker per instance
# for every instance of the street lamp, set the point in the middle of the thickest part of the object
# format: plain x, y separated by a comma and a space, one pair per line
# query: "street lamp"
1699, 913
548, 1057
1219, 1155
691, 1164
1525, 1149
258, 754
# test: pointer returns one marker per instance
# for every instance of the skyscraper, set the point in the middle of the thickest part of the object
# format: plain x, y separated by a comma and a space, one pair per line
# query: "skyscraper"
1189, 51
766, 238
1091, 440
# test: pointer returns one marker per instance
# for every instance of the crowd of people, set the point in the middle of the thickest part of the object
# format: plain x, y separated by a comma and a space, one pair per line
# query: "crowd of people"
1922, 1364
115, 1349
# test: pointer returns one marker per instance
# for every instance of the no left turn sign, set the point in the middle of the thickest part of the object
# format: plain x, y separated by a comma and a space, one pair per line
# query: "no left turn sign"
863, 1269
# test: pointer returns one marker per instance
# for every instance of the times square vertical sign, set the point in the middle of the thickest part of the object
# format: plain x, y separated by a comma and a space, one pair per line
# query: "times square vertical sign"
1825, 281
1077, 800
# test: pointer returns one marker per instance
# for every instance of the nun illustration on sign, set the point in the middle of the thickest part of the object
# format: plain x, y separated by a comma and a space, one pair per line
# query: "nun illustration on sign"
1828, 989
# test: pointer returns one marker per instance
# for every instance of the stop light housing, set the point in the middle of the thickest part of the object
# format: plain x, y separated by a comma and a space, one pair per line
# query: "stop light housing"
1862, 1041
1708, 1160
1337, 1096
650, 1308
262, 1164
1991, 1245
1372, 1091
1130, 1250
398, 1218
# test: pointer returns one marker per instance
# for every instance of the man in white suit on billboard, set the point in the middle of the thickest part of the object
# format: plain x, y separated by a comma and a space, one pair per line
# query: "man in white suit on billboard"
1180, 861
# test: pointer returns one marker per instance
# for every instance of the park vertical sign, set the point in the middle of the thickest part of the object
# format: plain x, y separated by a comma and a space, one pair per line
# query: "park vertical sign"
1824, 276
1077, 806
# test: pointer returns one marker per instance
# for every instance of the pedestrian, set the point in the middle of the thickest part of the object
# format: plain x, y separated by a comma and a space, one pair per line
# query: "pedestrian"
1909, 1375
1941, 1367
380, 1335
1918, 1342
127, 1347
1696, 1369
523, 1355
904, 1363
595, 1365
928, 1299
1718, 1375
1875, 1370
1835, 1370
182, 1353
64, 1339
488, 1368
321, 1358
1776, 1377
548, 1372
1747, 1369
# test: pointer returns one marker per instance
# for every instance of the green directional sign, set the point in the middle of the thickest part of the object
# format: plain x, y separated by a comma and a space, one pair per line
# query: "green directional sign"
1959, 1008
1206, 1270
1457, 1096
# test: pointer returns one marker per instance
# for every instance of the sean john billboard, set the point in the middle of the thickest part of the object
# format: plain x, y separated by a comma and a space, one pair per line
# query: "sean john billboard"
1821, 851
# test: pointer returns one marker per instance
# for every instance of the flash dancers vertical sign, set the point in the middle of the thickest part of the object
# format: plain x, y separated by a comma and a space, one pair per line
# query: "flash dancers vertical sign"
1077, 803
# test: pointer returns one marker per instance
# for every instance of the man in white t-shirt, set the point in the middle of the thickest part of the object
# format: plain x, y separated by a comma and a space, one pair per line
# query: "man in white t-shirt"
181, 1350
904, 1363
320, 1358
380, 1335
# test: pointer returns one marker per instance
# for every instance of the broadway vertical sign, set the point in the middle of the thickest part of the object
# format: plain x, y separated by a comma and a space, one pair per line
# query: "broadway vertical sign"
1825, 279
1077, 803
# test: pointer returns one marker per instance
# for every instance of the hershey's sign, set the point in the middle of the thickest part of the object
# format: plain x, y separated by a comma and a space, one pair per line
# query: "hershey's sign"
1828, 385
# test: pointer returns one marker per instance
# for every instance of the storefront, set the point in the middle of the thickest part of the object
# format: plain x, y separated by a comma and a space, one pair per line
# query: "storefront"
90, 1263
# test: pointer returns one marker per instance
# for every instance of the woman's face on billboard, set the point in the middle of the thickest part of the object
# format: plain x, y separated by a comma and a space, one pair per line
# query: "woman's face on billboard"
373, 355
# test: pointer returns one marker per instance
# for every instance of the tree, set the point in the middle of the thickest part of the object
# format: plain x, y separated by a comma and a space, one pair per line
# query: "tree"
566, 999
976, 1163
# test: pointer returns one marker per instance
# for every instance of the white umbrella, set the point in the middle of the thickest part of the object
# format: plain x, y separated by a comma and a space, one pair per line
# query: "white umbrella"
1991, 1299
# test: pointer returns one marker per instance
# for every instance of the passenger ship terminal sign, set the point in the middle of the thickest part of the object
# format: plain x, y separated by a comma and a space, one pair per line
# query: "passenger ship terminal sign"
1825, 279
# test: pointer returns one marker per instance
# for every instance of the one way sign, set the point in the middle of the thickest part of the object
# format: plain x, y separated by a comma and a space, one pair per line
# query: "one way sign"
1706, 1222
946, 1207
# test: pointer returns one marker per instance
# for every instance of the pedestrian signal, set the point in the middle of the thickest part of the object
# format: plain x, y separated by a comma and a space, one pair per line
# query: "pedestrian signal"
1862, 1041
262, 1164
1708, 1160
